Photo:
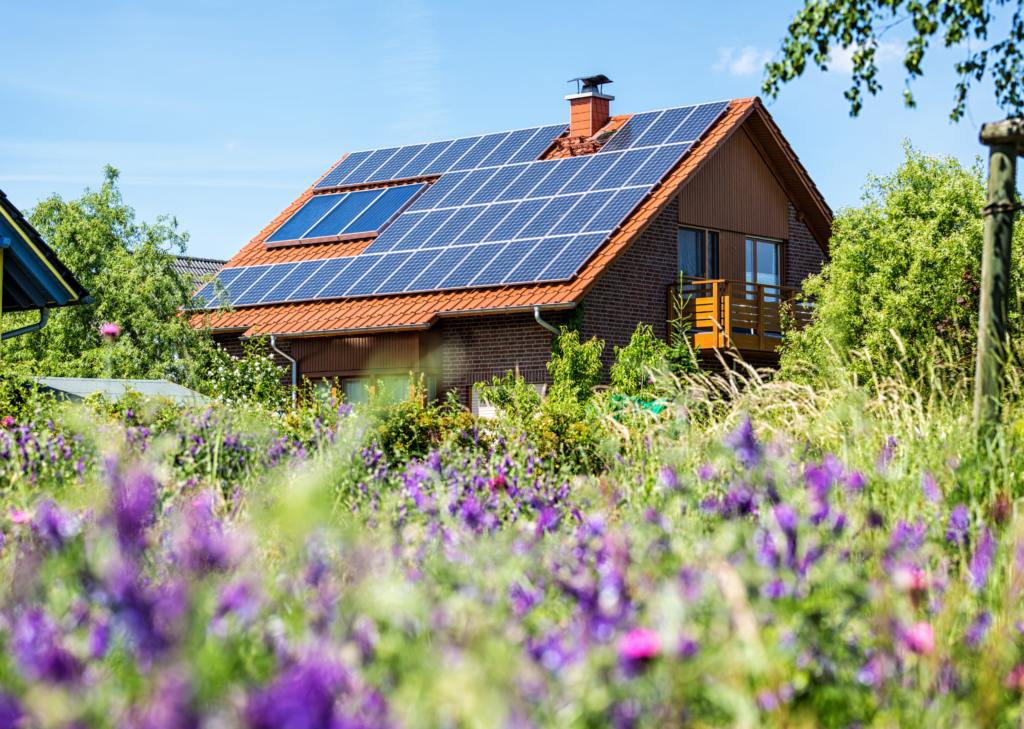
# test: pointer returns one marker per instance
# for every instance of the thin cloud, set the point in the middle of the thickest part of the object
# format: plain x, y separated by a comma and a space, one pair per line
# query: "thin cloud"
841, 59
741, 61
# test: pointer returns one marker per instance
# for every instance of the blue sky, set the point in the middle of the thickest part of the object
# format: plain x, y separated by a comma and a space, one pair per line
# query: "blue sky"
222, 113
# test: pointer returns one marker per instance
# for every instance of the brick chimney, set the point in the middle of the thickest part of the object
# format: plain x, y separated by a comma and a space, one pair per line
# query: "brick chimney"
588, 108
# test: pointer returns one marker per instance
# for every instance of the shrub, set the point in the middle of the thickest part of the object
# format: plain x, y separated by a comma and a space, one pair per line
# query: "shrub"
412, 427
253, 379
636, 364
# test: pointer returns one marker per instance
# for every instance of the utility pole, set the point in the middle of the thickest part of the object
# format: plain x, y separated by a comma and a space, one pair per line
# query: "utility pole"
1005, 141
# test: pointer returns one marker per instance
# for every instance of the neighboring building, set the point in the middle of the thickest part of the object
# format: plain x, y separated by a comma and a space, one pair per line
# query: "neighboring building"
450, 259
33, 278
197, 268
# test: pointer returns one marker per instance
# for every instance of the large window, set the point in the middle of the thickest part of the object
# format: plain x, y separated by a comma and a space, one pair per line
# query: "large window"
764, 262
698, 253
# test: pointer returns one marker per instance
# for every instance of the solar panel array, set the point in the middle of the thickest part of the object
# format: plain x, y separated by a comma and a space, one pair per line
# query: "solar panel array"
453, 155
518, 222
346, 213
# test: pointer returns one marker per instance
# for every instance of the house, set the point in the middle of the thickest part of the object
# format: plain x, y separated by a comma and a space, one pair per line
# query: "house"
454, 259
32, 278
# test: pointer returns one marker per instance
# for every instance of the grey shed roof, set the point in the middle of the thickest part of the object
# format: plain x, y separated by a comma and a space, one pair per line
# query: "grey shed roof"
77, 388
197, 267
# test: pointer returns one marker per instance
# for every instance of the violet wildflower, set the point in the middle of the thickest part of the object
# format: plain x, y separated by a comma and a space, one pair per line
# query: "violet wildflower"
55, 526
36, 644
706, 472
872, 673
979, 629
981, 560
10, 712
744, 444
854, 481
959, 522
886, 454
133, 499
687, 648
99, 638
775, 590
170, 707
920, 638
302, 696
668, 479
548, 521
930, 488
767, 701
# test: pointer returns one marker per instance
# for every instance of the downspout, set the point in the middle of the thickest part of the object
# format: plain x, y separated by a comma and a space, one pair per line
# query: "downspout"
295, 368
44, 316
536, 315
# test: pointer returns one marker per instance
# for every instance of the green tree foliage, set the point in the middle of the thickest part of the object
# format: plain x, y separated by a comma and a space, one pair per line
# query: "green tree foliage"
127, 267
903, 271
636, 364
858, 25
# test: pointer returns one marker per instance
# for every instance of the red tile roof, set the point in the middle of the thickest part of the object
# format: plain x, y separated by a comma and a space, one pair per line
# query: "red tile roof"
419, 310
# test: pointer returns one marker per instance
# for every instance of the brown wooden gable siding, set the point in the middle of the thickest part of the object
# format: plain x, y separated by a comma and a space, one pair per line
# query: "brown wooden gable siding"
387, 353
736, 193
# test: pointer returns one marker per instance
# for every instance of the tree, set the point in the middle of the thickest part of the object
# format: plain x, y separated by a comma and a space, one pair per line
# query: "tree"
858, 25
906, 262
127, 267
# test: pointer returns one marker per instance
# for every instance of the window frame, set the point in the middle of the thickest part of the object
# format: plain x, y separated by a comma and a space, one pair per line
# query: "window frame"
750, 246
708, 258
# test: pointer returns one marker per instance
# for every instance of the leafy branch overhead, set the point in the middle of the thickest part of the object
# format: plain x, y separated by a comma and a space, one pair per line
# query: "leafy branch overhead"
822, 26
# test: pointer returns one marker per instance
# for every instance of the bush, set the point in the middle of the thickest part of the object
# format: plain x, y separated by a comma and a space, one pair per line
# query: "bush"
252, 379
412, 427
902, 281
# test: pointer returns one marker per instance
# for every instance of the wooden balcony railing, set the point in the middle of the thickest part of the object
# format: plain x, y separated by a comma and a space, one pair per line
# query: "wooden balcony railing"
721, 314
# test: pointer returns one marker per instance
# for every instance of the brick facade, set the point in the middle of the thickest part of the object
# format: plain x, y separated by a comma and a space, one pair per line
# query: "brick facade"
804, 256
635, 288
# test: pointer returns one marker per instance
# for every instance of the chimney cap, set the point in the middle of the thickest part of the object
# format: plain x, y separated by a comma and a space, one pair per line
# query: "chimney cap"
590, 83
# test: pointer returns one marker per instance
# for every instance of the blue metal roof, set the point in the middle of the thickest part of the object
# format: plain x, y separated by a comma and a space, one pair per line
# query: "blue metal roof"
33, 276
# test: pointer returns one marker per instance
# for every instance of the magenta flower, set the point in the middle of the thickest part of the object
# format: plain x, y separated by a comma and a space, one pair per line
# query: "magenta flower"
639, 644
1015, 678
110, 329
21, 516
7, 422
920, 638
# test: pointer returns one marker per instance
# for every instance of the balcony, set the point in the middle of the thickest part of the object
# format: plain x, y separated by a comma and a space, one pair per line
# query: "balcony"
724, 314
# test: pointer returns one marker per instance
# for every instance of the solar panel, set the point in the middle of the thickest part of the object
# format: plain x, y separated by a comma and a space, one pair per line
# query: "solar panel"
497, 215
206, 295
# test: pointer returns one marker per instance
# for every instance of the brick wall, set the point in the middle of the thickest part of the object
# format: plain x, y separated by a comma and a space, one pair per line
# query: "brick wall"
232, 344
477, 348
635, 288
803, 254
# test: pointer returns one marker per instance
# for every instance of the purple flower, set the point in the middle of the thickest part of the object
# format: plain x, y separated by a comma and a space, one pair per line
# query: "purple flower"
523, 600
99, 638
920, 638
979, 629
202, 543
301, 697
930, 488
774, 590
765, 553
639, 644
109, 329
170, 707
959, 522
767, 701
55, 526
36, 644
981, 560
745, 445
548, 520
706, 472
133, 499
10, 712
854, 481
872, 673
687, 648
886, 454
668, 479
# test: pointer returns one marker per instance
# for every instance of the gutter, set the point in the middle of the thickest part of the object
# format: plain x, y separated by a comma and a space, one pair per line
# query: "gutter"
546, 325
44, 316
295, 367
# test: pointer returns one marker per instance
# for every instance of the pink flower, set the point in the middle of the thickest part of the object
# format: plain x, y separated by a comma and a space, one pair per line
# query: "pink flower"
639, 644
1015, 679
20, 517
920, 638
110, 329
7, 422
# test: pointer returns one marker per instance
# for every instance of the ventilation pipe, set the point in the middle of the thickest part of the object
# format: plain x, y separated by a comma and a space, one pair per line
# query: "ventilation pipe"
44, 316
295, 368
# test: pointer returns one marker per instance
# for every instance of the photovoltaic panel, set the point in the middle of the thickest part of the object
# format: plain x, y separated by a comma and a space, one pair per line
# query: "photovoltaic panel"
438, 191
631, 131
512, 219
572, 257
480, 150
504, 177
451, 155
695, 125
564, 171
441, 267
349, 276
471, 265
207, 294
577, 218
312, 286
366, 170
414, 265
383, 209
389, 171
247, 278
345, 168
255, 293
292, 281
378, 275
503, 263
508, 147
538, 143
343, 213
306, 217
395, 232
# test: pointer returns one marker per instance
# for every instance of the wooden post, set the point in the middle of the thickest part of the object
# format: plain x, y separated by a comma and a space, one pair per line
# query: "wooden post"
759, 288
1005, 141
727, 315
